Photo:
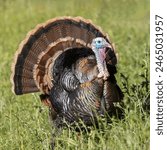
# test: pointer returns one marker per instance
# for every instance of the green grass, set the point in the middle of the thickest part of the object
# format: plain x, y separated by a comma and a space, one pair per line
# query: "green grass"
24, 121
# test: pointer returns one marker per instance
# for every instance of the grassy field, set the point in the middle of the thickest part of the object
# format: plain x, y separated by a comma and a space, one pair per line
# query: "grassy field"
24, 121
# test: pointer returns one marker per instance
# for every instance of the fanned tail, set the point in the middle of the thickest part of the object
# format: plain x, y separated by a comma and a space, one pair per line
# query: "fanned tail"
32, 66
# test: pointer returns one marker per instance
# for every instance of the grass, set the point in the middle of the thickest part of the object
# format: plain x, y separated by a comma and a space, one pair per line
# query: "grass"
24, 121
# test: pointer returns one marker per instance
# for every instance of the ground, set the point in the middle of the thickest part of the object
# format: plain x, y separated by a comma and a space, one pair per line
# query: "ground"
24, 121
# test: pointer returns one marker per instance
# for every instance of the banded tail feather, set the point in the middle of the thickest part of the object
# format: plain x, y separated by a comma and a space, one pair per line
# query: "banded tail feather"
43, 45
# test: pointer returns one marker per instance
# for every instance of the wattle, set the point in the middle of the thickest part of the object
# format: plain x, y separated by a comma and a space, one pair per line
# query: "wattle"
102, 54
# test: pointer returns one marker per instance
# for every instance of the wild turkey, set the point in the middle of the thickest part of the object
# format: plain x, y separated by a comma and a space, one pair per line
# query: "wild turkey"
72, 63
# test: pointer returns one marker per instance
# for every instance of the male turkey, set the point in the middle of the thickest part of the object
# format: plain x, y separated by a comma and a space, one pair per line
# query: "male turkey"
72, 63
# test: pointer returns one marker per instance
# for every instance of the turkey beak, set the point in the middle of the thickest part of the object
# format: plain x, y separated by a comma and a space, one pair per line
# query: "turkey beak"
108, 46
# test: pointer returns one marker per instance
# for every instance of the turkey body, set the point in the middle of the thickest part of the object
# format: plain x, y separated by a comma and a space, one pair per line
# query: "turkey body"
77, 93
56, 59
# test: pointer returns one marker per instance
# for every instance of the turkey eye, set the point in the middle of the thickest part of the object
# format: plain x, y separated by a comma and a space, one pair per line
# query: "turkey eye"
98, 42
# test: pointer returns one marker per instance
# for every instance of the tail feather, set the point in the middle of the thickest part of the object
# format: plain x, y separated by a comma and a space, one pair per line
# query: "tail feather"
32, 66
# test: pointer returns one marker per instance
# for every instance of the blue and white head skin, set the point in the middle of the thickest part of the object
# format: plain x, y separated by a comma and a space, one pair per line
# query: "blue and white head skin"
100, 42
99, 46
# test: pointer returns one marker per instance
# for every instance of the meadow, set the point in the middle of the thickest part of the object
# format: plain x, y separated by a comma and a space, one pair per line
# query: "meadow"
24, 121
